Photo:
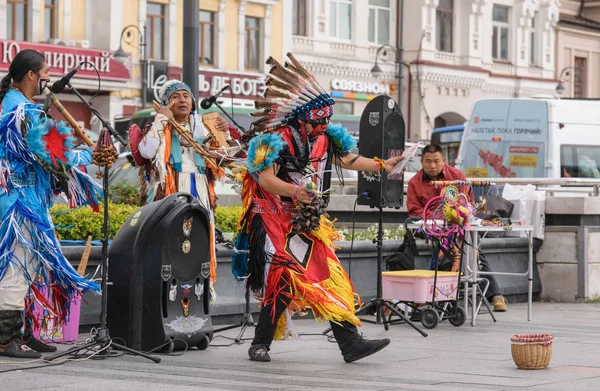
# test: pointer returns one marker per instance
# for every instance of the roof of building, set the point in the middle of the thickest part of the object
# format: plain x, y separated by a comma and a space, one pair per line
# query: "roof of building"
573, 20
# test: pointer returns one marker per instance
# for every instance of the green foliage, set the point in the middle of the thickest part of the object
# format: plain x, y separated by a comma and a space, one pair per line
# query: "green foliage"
371, 233
123, 193
227, 217
77, 224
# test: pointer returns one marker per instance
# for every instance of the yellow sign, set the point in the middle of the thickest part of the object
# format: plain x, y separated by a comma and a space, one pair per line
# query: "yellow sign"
523, 161
477, 172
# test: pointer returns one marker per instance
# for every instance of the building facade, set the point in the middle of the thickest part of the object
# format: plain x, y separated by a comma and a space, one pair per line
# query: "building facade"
236, 37
459, 51
338, 40
578, 48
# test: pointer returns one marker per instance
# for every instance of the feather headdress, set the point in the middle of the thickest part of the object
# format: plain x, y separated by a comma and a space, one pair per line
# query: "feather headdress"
292, 92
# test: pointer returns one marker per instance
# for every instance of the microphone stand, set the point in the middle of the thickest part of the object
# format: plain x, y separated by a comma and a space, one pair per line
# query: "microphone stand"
102, 338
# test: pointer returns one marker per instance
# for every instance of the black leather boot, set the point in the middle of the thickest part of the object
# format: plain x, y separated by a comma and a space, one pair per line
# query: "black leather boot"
362, 348
352, 344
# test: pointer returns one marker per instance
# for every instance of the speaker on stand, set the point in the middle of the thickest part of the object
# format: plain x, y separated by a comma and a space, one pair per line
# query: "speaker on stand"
159, 275
381, 135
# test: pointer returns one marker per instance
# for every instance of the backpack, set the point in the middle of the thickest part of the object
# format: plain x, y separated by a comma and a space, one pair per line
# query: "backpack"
404, 257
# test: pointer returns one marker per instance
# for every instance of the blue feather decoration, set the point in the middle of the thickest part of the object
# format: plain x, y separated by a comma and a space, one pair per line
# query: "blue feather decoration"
340, 137
264, 150
38, 128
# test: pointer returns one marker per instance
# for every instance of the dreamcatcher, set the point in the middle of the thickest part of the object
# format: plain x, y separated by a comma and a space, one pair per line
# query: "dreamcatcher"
450, 213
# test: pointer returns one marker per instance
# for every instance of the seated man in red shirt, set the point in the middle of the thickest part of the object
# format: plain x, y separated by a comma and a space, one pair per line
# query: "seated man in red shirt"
420, 192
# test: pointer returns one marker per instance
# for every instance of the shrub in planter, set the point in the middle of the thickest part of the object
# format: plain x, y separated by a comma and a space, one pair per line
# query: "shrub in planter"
227, 217
77, 224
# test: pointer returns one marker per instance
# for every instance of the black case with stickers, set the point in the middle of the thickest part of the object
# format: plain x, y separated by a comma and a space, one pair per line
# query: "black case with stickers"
158, 276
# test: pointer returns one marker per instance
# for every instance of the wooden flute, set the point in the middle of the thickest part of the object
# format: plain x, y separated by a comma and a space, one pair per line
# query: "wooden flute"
61, 109
189, 138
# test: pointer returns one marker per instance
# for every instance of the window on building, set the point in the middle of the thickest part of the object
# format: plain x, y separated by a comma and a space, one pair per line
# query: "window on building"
344, 108
299, 17
501, 30
444, 20
16, 20
207, 37
533, 55
579, 78
252, 42
340, 19
379, 21
155, 30
49, 19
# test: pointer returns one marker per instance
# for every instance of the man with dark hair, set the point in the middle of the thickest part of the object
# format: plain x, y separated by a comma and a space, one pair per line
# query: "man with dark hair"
420, 192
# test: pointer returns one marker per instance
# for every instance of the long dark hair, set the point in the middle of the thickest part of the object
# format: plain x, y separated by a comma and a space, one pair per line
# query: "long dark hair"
25, 61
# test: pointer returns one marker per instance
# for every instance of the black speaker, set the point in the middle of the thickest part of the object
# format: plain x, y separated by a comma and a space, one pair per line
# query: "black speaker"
158, 276
381, 134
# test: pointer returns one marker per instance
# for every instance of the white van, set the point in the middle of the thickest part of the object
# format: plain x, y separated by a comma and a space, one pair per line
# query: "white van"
532, 138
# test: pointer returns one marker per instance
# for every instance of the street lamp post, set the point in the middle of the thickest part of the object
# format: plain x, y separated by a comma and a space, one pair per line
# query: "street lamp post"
376, 71
122, 57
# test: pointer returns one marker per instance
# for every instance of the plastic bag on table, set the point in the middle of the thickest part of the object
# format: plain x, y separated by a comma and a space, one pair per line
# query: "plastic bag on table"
529, 206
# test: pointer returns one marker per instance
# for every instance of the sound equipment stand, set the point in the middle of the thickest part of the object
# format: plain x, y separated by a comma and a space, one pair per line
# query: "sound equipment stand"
102, 338
379, 303
246, 320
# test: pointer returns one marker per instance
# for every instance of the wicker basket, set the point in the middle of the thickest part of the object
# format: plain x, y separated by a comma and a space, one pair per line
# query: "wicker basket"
532, 351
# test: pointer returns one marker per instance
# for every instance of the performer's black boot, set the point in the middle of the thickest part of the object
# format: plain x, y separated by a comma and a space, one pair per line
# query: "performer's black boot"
11, 344
353, 345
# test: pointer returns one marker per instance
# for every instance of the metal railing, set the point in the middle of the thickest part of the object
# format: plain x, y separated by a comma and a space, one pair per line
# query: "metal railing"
571, 185
580, 186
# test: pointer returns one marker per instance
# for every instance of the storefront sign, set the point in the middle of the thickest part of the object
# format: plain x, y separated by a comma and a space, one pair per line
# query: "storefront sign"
156, 76
243, 85
61, 59
363, 87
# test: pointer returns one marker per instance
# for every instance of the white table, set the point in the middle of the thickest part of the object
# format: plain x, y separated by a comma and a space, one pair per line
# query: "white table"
470, 264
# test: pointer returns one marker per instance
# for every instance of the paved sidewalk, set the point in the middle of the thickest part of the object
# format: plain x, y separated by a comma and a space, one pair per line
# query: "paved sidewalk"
474, 358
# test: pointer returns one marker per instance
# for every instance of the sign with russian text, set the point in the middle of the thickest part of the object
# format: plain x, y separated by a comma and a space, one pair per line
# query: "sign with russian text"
61, 59
507, 138
243, 85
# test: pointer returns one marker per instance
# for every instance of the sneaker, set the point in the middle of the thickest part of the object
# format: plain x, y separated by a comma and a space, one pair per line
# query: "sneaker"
500, 304
259, 353
38, 345
16, 348
365, 347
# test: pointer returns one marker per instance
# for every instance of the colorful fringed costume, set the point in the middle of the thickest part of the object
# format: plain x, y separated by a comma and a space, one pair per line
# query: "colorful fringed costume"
286, 266
36, 163
301, 266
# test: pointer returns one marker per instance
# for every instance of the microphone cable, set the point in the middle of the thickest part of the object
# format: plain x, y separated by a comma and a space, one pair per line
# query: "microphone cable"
97, 74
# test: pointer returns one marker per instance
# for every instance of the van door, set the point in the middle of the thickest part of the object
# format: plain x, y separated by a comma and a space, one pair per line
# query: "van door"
505, 139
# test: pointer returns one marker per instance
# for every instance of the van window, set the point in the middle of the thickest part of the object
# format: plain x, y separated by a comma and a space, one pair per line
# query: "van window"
579, 161
506, 139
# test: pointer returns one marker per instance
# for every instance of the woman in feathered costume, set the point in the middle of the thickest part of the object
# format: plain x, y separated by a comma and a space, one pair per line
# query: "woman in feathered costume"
285, 236
176, 166
36, 163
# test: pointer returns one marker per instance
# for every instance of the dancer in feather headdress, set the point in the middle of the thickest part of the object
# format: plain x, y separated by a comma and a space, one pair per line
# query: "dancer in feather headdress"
36, 163
285, 238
